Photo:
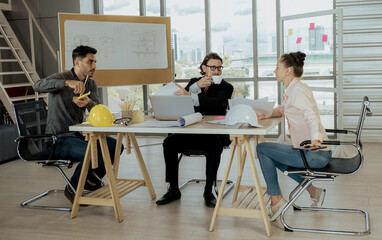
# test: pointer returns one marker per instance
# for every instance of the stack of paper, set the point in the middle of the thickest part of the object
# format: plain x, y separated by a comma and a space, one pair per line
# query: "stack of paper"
168, 90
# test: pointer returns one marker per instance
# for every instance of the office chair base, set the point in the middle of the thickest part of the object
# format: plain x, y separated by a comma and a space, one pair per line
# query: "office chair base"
26, 203
296, 194
365, 232
230, 185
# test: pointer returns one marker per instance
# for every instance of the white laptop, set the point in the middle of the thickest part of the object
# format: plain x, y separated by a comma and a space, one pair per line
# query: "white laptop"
171, 107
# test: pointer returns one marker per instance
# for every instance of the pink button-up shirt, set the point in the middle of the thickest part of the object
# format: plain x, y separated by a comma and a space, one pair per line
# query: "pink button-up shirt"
301, 111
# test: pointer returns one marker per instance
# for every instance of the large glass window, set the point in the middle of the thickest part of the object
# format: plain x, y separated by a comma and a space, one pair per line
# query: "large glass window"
313, 36
115, 95
243, 89
118, 7
266, 38
152, 8
231, 36
268, 89
188, 35
325, 103
292, 7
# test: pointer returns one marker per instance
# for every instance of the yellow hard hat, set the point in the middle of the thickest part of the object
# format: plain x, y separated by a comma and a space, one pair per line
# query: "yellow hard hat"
100, 116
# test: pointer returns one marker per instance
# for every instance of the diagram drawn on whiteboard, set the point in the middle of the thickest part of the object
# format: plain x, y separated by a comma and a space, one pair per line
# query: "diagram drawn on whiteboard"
120, 45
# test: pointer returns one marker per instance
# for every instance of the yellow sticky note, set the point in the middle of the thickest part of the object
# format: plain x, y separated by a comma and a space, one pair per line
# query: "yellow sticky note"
290, 31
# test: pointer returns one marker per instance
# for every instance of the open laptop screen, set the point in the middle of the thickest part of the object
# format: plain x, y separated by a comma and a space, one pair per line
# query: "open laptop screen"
171, 107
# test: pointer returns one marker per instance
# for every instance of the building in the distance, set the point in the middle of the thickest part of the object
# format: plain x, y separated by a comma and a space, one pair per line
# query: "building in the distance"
175, 45
315, 38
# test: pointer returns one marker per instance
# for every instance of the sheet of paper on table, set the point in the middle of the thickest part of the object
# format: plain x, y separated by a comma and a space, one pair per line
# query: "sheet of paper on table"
261, 106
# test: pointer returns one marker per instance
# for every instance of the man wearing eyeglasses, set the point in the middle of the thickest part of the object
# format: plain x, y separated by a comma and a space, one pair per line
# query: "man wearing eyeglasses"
208, 99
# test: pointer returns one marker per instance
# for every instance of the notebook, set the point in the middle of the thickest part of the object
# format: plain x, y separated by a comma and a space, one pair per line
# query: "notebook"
171, 107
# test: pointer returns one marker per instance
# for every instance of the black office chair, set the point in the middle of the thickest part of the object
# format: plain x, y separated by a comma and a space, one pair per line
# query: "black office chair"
199, 153
31, 119
336, 166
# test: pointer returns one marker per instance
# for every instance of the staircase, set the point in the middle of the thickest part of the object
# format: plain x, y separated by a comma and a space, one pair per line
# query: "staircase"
17, 72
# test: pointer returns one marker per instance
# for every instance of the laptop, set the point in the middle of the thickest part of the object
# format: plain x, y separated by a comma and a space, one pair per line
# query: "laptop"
171, 107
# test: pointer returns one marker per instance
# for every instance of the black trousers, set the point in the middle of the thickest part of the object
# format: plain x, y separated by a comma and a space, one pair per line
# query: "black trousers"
177, 143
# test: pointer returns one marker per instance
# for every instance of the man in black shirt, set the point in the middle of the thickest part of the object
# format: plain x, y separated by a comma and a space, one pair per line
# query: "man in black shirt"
208, 99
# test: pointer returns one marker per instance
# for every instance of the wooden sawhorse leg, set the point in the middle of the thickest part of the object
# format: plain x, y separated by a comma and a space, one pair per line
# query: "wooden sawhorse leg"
90, 151
110, 195
241, 156
240, 209
142, 165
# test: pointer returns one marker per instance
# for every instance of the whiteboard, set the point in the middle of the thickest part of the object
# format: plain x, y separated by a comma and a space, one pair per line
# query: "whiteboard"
130, 50
120, 45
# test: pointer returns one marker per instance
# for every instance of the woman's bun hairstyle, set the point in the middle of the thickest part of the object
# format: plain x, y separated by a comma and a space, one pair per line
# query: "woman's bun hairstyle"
295, 60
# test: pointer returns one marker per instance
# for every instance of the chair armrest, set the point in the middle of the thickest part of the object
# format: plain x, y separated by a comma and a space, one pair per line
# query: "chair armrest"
337, 131
327, 142
331, 142
304, 161
37, 137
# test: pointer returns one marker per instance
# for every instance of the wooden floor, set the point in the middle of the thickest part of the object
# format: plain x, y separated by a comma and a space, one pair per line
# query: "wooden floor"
184, 219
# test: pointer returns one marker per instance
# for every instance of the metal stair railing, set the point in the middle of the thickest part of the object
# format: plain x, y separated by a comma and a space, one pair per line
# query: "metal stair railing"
27, 66
32, 20
6, 6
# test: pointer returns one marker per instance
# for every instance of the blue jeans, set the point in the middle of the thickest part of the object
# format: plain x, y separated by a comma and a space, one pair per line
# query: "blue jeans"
281, 156
74, 149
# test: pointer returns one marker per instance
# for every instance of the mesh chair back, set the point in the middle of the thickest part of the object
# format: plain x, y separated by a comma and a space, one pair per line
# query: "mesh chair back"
31, 119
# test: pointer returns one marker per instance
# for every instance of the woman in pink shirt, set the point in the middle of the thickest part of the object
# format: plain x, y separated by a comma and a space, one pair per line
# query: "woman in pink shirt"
303, 118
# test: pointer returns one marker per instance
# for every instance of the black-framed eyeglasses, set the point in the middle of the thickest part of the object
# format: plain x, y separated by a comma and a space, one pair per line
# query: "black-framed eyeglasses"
213, 68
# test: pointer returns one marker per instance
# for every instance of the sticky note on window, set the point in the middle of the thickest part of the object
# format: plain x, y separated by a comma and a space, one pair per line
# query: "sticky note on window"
311, 26
290, 31
299, 40
324, 38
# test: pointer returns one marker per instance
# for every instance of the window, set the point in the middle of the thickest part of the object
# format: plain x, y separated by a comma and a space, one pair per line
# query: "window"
266, 38
117, 7
188, 35
314, 37
292, 7
152, 8
325, 103
243, 89
122, 93
231, 36
268, 89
